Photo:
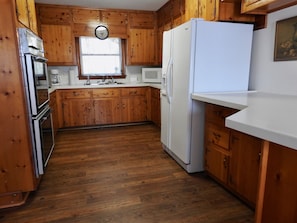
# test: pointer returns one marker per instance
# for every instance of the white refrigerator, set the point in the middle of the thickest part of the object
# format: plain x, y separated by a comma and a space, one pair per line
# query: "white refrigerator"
199, 56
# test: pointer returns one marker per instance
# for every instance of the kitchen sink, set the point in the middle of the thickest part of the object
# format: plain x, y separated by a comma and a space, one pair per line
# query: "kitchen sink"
106, 83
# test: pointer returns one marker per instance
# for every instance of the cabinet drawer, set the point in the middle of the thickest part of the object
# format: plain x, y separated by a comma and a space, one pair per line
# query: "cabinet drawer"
217, 114
217, 135
76, 94
106, 93
133, 91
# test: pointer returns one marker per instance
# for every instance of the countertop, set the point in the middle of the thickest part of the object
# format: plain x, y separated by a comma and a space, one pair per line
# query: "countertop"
55, 87
268, 116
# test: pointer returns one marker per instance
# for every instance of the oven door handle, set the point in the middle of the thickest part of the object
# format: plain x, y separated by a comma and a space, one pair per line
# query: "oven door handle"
40, 59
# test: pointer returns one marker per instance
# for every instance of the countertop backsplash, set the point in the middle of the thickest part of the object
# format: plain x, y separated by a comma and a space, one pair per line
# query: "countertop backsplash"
68, 75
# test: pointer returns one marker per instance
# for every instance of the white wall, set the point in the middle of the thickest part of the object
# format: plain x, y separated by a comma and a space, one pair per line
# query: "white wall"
68, 75
268, 75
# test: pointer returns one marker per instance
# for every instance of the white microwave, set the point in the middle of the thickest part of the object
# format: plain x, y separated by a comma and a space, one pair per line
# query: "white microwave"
152, 75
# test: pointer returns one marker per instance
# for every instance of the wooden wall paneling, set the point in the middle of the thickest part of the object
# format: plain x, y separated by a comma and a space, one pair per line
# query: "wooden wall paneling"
117, 22
142, 20
85, 21
54, 15
191, 9
16, 150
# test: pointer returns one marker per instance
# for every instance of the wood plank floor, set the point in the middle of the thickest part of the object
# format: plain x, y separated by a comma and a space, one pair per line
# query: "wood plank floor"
122, 175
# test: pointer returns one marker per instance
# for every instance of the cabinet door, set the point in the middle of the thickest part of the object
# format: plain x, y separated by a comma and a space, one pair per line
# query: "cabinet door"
107, 111
244, 165
78, 112
22, 12
155, 106
280, 197
58, 44
216, 163
134, 104
141, 47
32, 15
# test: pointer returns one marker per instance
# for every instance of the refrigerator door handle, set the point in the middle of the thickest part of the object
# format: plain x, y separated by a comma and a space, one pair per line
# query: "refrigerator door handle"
169, 80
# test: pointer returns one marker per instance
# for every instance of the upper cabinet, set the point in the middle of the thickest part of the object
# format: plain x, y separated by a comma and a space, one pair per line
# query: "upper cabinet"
142, 38
86, 20
26, 14
56, 30
219, 10
58, 44
265, 6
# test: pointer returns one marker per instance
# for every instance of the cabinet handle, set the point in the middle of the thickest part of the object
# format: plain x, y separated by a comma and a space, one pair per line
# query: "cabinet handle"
225, 162
259, 156
216, 136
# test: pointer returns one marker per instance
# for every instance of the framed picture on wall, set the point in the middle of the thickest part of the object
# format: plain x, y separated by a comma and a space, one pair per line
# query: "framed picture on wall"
285, 46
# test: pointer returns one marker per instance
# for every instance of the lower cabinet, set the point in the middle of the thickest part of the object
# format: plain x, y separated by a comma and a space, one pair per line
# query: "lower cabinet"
279, 195
244, 165
232, 158
134, 104
216, 163
155, 107
85, 107
107, 106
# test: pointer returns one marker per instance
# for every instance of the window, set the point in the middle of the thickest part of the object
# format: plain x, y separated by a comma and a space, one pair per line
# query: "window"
100, 57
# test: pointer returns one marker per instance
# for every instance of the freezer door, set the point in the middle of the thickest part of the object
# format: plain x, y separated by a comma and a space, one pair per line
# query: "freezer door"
181, 103
167, 63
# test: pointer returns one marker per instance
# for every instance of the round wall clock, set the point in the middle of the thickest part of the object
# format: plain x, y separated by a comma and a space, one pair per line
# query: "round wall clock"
101, 32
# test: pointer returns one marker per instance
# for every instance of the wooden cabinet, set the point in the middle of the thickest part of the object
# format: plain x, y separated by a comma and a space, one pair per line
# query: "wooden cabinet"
217, 152
141, 47
17, 177
134, 104
142, 38
77, 108
58, 44
227, 10
280, 183
264, 6
56, 30
85, 107
26, 14
107, 106
155, 107
232, 158
244, 165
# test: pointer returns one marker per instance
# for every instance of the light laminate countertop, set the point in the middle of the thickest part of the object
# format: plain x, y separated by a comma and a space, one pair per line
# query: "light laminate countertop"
55, 87
268, 116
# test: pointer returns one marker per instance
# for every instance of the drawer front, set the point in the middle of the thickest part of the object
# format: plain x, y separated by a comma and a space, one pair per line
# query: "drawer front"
133, 91
217, 135
79, 93
217, 114
106, 93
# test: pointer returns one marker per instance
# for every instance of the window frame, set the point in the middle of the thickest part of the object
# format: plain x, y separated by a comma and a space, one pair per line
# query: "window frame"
84, 77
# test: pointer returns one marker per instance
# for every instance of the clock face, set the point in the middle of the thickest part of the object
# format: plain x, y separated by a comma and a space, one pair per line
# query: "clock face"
101, 32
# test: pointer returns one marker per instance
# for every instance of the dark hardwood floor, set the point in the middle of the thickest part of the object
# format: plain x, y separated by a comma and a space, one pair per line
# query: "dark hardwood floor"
122, 175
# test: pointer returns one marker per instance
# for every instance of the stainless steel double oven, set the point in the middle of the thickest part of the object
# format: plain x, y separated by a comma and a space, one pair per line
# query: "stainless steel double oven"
36, 83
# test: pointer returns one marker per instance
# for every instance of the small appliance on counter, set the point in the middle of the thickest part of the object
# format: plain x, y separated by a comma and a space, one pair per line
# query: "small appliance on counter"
152, 75
55, 79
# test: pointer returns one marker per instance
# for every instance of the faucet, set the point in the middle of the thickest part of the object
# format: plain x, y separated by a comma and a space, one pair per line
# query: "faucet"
88, 82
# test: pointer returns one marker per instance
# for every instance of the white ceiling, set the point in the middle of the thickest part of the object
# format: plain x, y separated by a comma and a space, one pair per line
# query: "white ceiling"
150, 5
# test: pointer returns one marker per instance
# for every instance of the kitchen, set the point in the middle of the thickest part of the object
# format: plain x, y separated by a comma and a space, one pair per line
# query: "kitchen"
263, 52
